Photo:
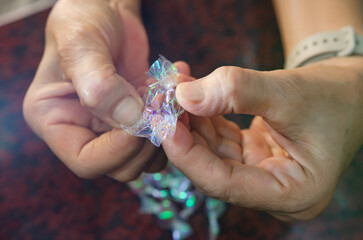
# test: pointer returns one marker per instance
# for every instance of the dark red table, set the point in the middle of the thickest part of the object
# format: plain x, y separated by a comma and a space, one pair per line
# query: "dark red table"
41, 199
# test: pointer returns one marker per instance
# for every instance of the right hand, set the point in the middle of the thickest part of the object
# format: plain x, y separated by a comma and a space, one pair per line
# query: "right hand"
95, 59
307, 128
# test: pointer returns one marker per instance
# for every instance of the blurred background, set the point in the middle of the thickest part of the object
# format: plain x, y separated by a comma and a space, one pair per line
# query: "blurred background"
12, 10
41, 199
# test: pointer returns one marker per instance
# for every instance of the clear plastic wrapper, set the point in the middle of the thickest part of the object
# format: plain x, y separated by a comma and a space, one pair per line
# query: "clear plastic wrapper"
161, 109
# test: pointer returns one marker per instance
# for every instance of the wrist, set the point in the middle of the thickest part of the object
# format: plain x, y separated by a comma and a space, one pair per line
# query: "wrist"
300, 19
353, 66
340, 81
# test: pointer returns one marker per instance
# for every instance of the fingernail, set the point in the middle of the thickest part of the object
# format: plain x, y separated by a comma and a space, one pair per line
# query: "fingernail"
191, 91
128, 112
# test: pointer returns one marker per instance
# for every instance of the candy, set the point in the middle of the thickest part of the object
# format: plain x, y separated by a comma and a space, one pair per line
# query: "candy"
168, 195
161, 109
172, 198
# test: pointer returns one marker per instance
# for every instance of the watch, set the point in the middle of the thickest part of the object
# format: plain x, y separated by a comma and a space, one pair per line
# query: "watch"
325, 45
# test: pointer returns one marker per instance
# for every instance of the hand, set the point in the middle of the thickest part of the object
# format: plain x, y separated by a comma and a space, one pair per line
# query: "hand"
307, 129
95, 59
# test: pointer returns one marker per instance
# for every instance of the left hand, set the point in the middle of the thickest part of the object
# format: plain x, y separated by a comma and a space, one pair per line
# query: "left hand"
307, 128
94, 63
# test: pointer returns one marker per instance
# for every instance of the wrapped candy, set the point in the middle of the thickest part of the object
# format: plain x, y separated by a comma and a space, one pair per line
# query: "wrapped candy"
161, 109
172, 198
169, 195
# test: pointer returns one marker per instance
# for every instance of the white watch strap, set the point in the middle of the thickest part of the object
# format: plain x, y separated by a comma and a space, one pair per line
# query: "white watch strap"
325, 45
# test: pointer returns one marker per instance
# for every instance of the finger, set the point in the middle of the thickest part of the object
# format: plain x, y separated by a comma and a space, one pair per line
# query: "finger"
194, 160
184, 78
259, 125
184, 72
229, 149
105, 93
99, 126
230, 90
248, 186
255, 147
87, 60
183, 75
198, 139
222, 147
205, 128
86, 154
226, 129
133, 168
182, 67
184, 118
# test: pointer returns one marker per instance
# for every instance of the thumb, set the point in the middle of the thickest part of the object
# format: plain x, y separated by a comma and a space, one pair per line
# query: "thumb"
230, 90
88, 48
100, 88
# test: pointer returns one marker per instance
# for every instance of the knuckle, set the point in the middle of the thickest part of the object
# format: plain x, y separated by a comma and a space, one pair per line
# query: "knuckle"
87, 164
84, 167
96, 88
226, 192
70, 45
99, 126
84, 170
65, 49
206, 187
215, 189
91, 94
122, 144
228, 80
36, 110
74, 38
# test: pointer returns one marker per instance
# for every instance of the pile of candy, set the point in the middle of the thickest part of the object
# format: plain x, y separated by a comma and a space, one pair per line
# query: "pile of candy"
172, 198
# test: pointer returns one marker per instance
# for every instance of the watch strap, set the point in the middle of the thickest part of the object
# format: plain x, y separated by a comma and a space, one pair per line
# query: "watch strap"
325, 45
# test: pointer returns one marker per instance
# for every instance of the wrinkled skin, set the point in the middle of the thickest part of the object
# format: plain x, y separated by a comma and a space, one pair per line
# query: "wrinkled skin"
96, 55
307, 129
